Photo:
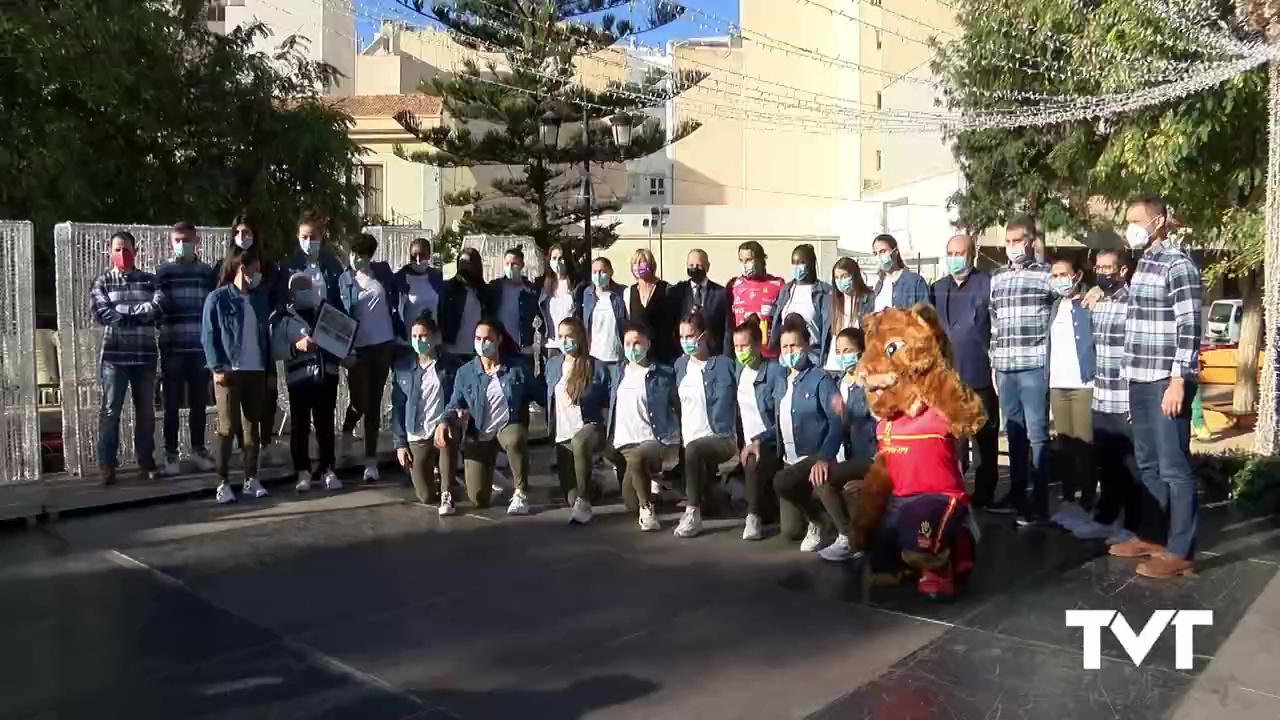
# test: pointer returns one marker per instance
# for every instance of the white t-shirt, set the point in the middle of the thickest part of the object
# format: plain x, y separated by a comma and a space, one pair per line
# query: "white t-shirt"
631, 412
801, 303
752, 420
845, 382
884, 299
372, 312
250, 351
422, 297
568, 413
694, 423
785, 426
560, 306
509, 311
1064, 361
496, 412
464, 343
430, 405
604, 330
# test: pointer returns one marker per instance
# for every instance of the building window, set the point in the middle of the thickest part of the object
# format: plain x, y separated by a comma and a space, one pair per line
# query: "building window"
878, 161
875, 3
216, 11
657, 186
879, 100
370, 179
879, 42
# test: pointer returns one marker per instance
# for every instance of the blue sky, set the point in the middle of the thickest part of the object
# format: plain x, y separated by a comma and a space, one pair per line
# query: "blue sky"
391, 9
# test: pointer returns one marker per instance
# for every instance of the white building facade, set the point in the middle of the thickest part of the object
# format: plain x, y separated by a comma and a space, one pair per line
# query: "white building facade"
328, 26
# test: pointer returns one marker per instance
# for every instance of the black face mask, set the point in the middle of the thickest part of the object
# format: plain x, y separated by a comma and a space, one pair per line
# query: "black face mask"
468, 271
697, 274
1108, 284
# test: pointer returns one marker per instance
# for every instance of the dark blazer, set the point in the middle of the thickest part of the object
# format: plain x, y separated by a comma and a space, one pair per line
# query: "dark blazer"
965, 312
658, 317
715, 308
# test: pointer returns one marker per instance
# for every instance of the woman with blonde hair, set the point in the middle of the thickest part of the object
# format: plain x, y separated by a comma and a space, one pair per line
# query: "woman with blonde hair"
648, 303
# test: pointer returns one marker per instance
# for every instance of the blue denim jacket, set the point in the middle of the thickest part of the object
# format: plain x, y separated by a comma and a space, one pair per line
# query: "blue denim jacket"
619, 307
720, 389
907, 291
519, 387
223, 323
661, 399
406, 379
349, 291
821, 317
544, 307
528, 309
768, 377
1082, 319
819, 429
860, 427
595, 396
330, 267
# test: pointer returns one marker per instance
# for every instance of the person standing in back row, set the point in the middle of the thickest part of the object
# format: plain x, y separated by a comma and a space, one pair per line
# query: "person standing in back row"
754, 293
708, 297
896, 286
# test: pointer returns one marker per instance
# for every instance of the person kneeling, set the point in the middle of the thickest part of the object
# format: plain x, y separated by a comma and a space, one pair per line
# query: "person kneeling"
577, 394
421, 384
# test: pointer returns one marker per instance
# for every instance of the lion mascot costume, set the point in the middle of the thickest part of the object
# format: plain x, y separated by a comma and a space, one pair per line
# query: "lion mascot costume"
910, 511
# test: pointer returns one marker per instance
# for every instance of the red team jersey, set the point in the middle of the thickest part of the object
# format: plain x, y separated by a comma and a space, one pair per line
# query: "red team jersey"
755, 296
920, 455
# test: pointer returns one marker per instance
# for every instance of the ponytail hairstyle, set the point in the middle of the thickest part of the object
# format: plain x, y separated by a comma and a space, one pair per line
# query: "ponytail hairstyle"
575, 383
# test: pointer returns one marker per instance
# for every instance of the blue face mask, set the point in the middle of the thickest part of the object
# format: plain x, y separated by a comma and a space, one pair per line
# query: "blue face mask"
848, 361
636, 353
486, 348
309, 247
421, 345
690, 347
799, 273
601, 279
513, 272
957, 265
1063, 286
844, 284
569, 346
885, 261
558, 266
791, 361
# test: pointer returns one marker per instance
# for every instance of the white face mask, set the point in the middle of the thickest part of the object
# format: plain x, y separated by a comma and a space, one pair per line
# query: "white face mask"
1016, 253
1137, 236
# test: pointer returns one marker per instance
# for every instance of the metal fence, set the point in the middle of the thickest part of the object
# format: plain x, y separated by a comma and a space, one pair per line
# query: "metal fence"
81, 254
493, 247
19, 420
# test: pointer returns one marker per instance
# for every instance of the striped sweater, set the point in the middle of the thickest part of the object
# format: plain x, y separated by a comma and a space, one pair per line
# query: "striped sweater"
183, 287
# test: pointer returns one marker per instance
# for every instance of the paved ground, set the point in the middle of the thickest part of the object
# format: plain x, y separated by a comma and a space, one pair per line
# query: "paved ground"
360, 605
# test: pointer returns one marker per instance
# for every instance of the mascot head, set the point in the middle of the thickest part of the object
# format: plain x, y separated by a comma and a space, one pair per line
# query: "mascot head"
907, 369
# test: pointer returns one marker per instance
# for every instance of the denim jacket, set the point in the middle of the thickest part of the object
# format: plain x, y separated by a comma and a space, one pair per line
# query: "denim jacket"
768, 376
818, 428
589, 298
908, 290
349, 291
406, 379
719, 387
330, 268
528, 309
223, 324
544, 307
595, 396
1082, 319
661, 397
860, 426
288, 326
519, 387
821, 317
453, 300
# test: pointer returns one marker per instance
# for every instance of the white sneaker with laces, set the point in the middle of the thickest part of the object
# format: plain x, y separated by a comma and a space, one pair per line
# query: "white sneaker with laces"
649, 519
254, 488
446, 504
754, 529
304, 481
371, 472
331, 481
837, 551
519, 505
225, 495
199, 459
581, 513
812, 539
691, 524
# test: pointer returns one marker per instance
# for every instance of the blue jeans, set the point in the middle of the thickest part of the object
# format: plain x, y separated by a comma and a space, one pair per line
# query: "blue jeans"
185, 377
1162, 448
1024, 403
115, 380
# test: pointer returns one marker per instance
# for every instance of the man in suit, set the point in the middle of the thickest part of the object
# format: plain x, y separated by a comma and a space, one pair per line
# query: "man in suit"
963, 300
701, 292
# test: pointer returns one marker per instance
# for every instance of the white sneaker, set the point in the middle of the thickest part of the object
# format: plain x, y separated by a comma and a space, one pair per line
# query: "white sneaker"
649, 519
170, 468
655, 488
304, 481
225, 495
446, 504
254, 488
371, 472
498, 491
581, 513
691, 524
200, 460
837, 551
754, 529
519, 505
331, 481
812, 539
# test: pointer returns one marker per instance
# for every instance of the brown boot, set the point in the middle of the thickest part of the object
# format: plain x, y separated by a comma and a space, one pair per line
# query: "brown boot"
107, 475
1165, 565
1135, 548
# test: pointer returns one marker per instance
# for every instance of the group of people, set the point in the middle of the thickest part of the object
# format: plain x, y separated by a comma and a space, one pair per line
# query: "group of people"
762, 371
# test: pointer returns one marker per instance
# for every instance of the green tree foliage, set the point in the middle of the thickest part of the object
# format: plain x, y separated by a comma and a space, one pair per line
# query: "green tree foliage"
494, 112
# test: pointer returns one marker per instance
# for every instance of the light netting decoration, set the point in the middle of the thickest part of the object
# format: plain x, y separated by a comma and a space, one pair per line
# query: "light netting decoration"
19, 415
1266, 438
81, 254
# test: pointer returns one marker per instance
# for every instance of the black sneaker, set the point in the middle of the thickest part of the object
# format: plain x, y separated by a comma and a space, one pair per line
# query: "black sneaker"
107, 475
1006, 505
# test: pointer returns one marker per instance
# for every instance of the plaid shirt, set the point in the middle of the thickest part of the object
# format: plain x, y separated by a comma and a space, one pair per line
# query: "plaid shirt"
1021, 301
127, 304
183, 287
1162, 339
1110, 389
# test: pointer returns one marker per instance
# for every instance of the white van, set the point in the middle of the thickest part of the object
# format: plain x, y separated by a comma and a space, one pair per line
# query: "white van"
1222, 325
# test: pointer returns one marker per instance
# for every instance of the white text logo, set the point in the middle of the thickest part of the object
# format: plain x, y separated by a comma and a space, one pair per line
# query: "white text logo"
1137, 645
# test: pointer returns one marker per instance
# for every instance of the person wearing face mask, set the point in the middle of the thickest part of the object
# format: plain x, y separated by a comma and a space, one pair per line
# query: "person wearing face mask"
754, 293
577, 395
859, 444
603, 313
311, 376
312, 258
806, 296
561, 296
183, 284
421, 387
127, 303
756, 379
708, 417
642, 424
963, 301
896, 286
490, 406
517, 302
851, 301
420, 284
1071, 371
1022, 300
707, 296
464, 300
234, 332
809, 434
648, 301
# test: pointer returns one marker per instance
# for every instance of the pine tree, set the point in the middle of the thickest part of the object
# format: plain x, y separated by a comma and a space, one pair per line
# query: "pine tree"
543, 43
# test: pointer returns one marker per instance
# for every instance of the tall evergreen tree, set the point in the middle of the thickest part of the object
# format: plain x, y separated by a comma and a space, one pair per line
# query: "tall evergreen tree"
542, 45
